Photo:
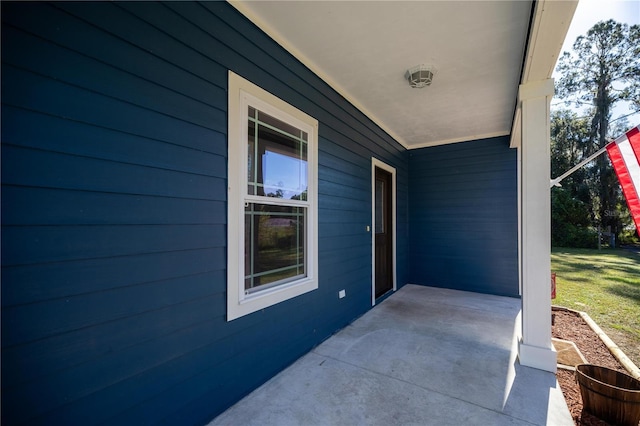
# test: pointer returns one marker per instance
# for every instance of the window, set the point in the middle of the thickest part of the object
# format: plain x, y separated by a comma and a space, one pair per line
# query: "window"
272, 221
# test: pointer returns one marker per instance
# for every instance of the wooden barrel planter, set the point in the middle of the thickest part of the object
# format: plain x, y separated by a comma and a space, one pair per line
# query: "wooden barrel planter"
609, 394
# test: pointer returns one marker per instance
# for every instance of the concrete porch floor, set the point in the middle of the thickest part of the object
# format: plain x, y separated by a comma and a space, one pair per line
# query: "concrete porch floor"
424, 356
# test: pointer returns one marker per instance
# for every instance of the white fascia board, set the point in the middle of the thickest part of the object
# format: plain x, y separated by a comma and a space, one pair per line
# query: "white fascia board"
549, 28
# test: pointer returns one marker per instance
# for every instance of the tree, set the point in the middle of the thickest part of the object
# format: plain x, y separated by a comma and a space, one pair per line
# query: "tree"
571, 215
569, 146
602, 70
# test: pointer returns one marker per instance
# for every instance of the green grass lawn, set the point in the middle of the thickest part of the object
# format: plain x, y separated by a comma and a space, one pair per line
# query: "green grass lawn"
606, 285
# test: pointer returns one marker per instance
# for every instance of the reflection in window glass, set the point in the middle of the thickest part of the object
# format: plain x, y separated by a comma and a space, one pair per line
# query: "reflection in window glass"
277, 158
274, 245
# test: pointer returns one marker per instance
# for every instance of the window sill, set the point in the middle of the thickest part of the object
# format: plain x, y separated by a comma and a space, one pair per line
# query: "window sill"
263, 299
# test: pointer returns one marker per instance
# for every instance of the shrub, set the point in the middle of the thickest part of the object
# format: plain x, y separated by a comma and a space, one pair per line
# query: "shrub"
570, 222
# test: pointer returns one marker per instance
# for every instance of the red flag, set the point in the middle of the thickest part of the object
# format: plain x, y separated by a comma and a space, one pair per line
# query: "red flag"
624, 153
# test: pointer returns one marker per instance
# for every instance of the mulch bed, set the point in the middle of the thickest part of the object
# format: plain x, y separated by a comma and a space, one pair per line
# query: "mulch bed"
570, 326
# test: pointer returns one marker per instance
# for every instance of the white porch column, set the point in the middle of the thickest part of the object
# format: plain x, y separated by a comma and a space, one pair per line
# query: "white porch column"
535, 348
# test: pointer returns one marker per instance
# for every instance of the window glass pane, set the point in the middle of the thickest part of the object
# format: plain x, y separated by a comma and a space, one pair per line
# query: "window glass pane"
251, 159
277, 159
274, 245
379, 207
278, 124
303, 154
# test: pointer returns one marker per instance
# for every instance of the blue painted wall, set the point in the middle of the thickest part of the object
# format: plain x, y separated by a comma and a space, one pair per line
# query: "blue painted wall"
463, 217
114, 213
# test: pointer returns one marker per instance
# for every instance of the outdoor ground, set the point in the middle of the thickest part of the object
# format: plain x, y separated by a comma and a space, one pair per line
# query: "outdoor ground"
606, 285
570, 326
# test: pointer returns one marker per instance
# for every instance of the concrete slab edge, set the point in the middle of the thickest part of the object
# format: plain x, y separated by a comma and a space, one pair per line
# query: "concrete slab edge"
628, 365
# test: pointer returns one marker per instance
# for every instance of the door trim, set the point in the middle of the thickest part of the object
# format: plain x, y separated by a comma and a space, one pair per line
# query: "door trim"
384, 166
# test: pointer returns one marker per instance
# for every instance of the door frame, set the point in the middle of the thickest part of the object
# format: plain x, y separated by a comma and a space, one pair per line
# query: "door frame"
375, 163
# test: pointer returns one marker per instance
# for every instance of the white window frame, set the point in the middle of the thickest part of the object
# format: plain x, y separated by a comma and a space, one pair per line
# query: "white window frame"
242, 94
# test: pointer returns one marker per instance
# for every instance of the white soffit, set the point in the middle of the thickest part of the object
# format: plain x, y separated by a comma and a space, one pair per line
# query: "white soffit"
363, 48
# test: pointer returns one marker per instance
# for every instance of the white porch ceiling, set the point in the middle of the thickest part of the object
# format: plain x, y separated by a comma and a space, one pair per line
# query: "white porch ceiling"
363, 49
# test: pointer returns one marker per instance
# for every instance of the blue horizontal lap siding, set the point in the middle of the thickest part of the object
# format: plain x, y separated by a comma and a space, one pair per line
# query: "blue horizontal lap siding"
114, 176
463, 217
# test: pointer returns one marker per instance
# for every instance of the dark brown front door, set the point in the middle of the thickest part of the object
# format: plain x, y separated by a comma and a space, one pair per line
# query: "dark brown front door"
384, 232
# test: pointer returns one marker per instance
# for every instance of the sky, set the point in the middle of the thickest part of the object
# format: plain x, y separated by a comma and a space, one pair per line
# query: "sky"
588, 13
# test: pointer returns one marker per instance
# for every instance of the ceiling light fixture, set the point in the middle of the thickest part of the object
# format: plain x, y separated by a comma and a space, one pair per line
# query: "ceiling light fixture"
420, 76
